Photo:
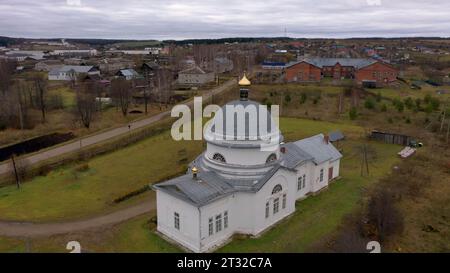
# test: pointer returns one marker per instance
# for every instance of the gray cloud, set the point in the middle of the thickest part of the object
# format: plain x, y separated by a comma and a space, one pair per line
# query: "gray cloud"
170, 19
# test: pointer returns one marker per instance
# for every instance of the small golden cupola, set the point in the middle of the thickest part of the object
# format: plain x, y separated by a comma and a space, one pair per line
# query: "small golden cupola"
194, 172
244, 83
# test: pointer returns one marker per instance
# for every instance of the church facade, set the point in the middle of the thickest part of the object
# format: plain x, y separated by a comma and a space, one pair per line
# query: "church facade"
236, 187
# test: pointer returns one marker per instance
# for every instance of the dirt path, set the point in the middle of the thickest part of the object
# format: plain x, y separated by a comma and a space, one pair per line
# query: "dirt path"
106, 135
23, 229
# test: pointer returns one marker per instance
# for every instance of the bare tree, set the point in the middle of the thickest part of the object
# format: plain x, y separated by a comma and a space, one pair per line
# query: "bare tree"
121, 94
41, 93
6, 73
86, 103
164, 79
22, 105
383, 215
148, 87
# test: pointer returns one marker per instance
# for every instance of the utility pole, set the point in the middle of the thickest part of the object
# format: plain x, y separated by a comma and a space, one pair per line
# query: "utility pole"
15, 171
364, 160
442, 122
448, 130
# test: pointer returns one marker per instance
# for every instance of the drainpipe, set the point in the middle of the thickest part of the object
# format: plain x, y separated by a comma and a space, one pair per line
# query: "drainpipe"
200, 227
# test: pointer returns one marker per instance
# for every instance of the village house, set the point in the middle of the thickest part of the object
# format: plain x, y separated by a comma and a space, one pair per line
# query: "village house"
75, 52
363, 71
237, 187
22, 55
223, 65
112, 65
149, 68
47, 65
71, 72
127, 74
195, 76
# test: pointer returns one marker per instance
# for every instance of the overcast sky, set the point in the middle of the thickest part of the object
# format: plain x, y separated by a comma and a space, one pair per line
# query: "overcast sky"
176, 19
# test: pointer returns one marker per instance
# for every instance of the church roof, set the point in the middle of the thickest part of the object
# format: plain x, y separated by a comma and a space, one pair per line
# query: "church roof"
209, 186
294, 156
320, 150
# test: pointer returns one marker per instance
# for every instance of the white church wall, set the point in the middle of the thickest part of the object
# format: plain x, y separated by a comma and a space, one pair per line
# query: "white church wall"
318, 185
286, 180
211, 211
336, 168
188, 235
305, 170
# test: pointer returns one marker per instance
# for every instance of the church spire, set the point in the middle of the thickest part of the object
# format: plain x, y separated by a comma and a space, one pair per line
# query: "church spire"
244, 83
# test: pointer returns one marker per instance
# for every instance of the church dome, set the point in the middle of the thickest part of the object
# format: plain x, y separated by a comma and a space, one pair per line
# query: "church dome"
250, 121
242, 139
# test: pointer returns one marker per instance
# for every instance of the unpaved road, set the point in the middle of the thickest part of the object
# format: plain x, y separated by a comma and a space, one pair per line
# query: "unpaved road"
24, 229
106, 135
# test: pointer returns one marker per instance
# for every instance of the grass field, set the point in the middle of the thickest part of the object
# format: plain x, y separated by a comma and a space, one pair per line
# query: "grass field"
107, 177
71, 193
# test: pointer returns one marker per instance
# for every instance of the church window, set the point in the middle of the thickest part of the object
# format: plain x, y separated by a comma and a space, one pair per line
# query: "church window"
219, 223
321, 175
284, 201
304, 181
267, 209
176, 217
277, 189
271, 158
299, 183
211, 227
219, 158
276, 205
225, 220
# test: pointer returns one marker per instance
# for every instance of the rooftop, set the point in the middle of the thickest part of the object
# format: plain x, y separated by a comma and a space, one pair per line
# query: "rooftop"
322, 62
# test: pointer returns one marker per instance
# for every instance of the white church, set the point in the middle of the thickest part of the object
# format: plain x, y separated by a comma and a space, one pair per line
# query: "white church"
236, 187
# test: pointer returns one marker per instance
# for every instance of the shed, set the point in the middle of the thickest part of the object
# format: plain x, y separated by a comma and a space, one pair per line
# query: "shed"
336, 136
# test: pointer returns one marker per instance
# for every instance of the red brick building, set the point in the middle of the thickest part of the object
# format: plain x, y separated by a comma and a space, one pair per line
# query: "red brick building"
362, 71
379, 73
303, 72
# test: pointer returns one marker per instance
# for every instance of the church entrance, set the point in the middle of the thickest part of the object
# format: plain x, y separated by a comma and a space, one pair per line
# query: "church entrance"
330, 174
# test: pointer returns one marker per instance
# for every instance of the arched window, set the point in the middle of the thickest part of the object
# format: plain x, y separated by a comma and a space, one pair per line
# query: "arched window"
278, 188
271, 158
219, 158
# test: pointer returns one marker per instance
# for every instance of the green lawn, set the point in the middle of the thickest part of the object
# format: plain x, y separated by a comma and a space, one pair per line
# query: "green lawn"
11, 245
67, 193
